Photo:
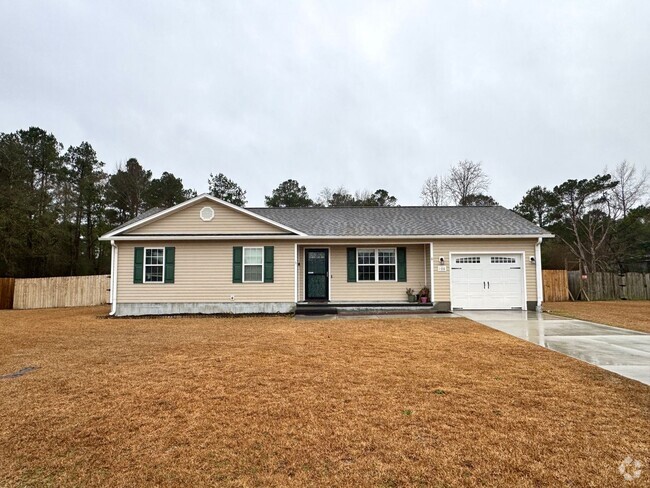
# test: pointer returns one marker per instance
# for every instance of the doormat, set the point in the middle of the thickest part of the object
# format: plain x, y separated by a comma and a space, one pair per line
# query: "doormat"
18, 373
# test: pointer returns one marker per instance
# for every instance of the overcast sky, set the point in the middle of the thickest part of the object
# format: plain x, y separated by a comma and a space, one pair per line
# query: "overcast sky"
366, 94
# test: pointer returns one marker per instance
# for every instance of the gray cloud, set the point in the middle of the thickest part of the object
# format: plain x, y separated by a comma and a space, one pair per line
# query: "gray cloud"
369, 94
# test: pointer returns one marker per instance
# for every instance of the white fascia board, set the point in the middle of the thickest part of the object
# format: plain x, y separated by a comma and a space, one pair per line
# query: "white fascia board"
186, 203
304, 238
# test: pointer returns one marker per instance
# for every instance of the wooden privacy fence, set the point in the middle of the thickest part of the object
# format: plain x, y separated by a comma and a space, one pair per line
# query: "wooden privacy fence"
597, 286
67, 291
610, 286
6, 293
556, 285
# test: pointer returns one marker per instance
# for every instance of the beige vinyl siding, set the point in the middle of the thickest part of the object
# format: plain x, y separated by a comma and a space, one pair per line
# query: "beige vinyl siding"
226, 221
442, 248
368, 291
203, 273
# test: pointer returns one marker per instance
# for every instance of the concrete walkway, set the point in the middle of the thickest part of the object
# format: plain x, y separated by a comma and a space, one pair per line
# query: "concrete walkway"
622, 351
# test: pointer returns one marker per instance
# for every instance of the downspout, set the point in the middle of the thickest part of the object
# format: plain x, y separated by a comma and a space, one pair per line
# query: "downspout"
538, 273
113, 277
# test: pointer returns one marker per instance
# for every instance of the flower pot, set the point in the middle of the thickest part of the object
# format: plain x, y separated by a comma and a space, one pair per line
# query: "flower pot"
412, 298
424, 299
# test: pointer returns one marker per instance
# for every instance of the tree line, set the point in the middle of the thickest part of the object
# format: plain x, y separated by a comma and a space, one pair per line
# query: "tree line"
55, 203
601, 223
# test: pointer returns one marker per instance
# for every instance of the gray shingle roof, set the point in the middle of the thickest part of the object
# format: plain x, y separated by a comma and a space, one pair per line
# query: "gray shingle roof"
402, 221
143, 215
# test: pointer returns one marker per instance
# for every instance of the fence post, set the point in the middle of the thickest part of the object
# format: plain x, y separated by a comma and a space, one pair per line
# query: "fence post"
623, 286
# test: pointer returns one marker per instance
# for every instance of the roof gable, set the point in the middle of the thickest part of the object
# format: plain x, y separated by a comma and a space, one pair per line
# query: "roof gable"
186, 218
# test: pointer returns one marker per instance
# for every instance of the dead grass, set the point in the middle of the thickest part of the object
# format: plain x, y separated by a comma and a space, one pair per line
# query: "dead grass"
634, 315
272, 401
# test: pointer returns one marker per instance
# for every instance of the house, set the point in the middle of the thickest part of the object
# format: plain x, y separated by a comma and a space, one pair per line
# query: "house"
206, 255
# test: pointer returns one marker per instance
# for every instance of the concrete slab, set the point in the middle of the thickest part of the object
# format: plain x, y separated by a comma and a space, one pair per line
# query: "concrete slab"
434, 316
639, 373
622, 351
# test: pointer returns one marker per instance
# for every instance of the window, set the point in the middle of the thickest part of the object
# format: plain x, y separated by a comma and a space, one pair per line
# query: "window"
387, 264
366, 264
206, 214
253, 264
376, 265
154, 265
502, 260
469, 260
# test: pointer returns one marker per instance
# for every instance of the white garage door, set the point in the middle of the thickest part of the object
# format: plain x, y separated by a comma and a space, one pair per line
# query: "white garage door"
484, 281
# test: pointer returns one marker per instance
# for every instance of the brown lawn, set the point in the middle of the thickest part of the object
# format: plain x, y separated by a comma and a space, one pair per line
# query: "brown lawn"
633, 315
274, 401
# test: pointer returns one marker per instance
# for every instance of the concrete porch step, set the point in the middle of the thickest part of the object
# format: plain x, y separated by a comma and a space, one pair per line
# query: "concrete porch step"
346, 308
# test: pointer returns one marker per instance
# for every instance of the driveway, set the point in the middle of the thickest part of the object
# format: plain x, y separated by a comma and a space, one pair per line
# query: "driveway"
622, 351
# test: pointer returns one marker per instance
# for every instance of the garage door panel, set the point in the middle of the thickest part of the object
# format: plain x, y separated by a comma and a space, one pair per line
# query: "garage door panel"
487, 282
469, 283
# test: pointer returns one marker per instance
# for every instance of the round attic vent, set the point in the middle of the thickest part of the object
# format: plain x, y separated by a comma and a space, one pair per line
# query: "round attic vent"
207, 214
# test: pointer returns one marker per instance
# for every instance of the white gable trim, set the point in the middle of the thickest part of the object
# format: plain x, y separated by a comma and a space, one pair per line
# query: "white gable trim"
191, 201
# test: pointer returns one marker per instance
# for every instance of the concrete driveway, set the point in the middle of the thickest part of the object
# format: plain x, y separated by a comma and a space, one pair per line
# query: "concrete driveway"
622, 351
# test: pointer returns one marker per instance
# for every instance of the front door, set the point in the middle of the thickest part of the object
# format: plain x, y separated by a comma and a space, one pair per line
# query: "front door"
317, 274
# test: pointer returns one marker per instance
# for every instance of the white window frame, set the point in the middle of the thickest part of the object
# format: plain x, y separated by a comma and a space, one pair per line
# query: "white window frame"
376, 251
207, 207
243, 265
469, 260
144, 265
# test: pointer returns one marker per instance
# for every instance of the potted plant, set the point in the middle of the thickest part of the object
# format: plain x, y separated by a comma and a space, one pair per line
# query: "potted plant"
424, 295
410, 293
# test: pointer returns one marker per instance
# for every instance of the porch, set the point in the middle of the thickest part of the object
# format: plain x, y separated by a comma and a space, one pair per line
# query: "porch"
364, 308
350, 275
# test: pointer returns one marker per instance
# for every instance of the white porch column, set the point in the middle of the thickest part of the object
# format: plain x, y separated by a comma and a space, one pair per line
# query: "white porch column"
295, 273
431, 263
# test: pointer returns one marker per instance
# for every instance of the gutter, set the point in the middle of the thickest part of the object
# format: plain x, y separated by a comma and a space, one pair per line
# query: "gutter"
418, 239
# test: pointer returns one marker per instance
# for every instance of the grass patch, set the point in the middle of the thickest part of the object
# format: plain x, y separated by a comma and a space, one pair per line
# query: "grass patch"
270, 401
633, 315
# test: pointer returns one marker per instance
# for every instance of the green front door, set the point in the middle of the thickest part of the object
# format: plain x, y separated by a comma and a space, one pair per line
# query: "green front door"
317, 274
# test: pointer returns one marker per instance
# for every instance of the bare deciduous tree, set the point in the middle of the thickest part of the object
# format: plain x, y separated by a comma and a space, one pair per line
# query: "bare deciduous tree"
582, 206
466, 178
434, 192
362, 195
324, 196
632, 187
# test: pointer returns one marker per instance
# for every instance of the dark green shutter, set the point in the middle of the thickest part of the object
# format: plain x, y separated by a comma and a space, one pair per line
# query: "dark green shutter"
352, 264
401, 264
138, 264
237, 253
170, 260
268, 264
